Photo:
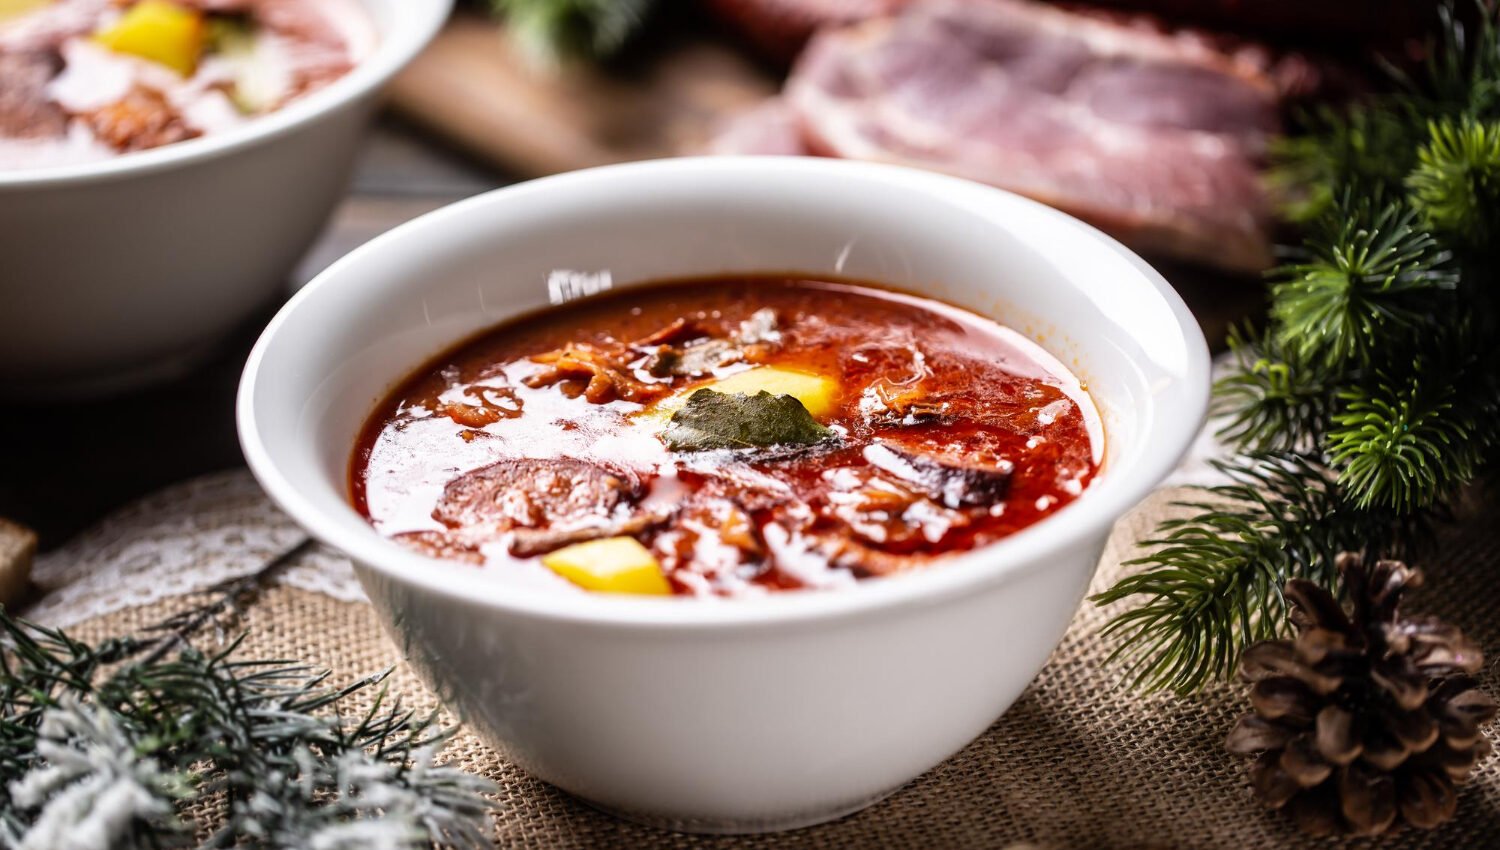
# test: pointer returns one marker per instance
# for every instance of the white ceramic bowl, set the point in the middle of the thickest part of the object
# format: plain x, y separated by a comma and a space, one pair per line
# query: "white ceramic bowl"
119, 272
729, 715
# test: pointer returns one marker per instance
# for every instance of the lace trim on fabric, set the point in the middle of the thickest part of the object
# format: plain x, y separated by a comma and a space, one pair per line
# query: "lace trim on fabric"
177, 541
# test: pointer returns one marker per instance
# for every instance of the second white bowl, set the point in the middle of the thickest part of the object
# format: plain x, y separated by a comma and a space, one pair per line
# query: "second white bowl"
126, 271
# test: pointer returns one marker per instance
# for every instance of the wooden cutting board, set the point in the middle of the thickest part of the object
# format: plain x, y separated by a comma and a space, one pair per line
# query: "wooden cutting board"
474, 87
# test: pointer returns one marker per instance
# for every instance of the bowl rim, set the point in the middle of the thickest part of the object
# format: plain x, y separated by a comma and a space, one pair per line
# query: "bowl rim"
1169, 438
413, 24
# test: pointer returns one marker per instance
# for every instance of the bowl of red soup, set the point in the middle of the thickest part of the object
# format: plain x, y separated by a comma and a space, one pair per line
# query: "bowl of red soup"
163, 165
727, 494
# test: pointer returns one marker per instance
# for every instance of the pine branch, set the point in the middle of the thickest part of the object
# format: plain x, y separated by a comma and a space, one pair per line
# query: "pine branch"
222, 607
1456, 184
1270, 401
1371, 147
1373, 396
1212, 582
1369, 151
551, 30
294, 769
36, 666
93, 784
1366, 275
1405, 445
1462, 72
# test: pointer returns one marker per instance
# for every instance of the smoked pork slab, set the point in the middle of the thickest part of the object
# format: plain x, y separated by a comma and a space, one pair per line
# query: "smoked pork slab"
1157, 140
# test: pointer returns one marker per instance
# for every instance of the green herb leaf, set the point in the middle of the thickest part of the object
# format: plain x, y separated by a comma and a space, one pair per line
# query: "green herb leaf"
715, 420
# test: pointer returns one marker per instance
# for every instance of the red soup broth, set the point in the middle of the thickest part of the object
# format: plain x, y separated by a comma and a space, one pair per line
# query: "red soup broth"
941, 431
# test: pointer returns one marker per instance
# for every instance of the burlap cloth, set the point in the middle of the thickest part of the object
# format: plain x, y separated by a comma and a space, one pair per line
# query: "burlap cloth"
1077, 762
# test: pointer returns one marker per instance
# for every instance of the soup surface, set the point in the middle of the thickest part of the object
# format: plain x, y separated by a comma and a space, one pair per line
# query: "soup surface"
726, 437
83, 80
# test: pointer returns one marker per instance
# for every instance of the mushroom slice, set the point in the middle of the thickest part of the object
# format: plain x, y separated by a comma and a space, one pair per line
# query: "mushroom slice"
953, 482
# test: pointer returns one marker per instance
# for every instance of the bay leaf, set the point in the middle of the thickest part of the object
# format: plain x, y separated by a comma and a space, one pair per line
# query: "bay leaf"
714, 420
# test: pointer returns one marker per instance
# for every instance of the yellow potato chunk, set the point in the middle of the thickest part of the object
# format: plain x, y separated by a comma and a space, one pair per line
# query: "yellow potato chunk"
161, 31
818, 393
610, 565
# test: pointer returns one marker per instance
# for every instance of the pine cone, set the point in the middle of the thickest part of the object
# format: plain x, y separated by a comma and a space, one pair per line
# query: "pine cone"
1365, 720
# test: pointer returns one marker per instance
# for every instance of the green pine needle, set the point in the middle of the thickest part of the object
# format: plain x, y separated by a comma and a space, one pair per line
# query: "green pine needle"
1463, 66
1212, 583
1372, 148
1403, 445
1367, 275
1456, 184
1270, 401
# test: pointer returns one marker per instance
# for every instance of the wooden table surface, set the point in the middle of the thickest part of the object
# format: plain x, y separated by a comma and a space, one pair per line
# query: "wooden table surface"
64, 466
